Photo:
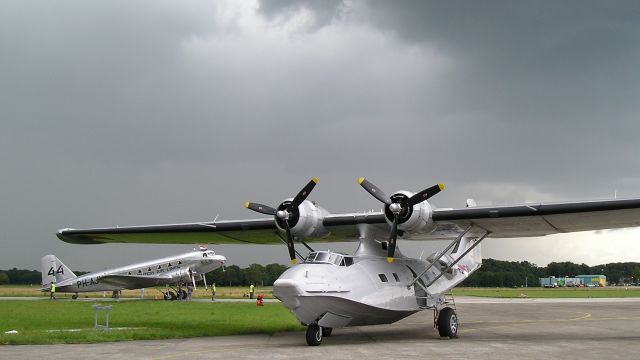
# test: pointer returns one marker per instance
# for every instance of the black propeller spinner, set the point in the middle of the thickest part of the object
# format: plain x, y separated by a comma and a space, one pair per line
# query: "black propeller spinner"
286, 214
399, 207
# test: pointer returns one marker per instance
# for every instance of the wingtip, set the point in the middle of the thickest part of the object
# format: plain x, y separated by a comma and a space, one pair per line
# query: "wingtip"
389, 260
246, 204
441, 186
360, 180
315, 180
294, 261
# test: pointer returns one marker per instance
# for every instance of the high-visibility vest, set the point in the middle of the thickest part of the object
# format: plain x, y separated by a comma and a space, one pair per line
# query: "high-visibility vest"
53, 288
251, 288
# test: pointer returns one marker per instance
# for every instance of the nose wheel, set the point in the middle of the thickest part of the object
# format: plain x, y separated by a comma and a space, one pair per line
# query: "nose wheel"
314, 335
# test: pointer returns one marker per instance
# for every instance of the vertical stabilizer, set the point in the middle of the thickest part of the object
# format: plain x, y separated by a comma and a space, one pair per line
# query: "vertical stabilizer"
54, 270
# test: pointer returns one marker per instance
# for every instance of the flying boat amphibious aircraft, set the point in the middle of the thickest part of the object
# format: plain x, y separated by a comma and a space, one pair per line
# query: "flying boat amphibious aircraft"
377, 284
170, 270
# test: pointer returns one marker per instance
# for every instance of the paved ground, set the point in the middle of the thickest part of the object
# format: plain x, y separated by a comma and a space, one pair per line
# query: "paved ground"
491, 329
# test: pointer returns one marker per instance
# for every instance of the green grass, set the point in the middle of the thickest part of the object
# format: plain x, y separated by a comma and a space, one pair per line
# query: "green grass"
153, 320
222, 292
606, 292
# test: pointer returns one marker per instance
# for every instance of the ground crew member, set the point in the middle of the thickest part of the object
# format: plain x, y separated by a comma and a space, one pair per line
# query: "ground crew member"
52, 291
213, 292
251, 291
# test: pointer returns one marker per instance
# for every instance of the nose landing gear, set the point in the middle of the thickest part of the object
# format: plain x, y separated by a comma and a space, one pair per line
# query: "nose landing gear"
315, 333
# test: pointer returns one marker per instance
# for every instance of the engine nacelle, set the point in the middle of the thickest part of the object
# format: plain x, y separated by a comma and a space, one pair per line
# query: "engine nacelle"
306, 221
413, 220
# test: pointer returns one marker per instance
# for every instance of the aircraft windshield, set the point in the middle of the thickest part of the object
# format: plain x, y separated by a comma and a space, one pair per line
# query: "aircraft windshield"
325, 257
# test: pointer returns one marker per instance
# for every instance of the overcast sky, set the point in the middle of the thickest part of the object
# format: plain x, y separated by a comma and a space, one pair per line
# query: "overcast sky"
148, 112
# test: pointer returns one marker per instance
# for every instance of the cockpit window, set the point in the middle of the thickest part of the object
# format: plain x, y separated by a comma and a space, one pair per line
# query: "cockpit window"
322, 257
325, 257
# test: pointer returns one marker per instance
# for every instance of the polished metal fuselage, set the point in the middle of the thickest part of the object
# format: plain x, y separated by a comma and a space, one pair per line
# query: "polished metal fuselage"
165, 271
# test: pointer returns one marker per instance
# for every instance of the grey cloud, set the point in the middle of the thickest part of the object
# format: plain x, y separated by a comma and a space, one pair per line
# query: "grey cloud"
158, 112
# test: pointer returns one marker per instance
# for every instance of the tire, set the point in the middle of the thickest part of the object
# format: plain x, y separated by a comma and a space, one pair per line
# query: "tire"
326, 331
172, 295
182, 295
448, 323
74, 296
314, 335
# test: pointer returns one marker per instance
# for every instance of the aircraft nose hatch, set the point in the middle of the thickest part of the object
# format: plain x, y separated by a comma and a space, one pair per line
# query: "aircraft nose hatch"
287, 291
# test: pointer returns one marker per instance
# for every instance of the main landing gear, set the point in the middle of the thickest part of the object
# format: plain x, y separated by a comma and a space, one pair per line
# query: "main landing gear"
315, 333
447, 323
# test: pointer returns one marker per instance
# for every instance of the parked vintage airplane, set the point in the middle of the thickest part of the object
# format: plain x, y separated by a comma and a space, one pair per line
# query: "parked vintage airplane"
330, 290
170, 270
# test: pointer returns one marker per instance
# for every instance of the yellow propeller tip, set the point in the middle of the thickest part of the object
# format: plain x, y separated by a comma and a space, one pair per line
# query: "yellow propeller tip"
315, 180
294, 261
360, 180
246, 204
441, 186
389, 260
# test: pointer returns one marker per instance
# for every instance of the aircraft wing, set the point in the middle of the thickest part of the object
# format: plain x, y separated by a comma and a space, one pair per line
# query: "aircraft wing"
541, 219
500, 221
134, 281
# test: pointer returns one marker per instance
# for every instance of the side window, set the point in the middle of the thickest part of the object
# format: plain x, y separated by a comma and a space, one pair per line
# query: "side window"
383, 277
395, 276
348, 261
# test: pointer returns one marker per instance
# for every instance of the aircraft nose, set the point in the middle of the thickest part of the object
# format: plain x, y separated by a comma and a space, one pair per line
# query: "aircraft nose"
287, 291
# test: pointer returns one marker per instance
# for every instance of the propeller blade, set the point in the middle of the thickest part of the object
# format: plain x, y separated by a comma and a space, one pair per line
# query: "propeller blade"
393, 236
263, 209
302, 195
423, 195
290, 246
374, 190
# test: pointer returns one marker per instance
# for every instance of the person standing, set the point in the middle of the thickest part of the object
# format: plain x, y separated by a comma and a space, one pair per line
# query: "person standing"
251, 288
52, 291
213, 292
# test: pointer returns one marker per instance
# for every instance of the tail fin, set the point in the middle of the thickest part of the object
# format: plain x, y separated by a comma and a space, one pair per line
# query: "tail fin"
53, 270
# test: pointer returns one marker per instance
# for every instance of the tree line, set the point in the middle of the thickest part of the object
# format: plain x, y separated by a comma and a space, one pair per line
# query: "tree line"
498, 273
493, 273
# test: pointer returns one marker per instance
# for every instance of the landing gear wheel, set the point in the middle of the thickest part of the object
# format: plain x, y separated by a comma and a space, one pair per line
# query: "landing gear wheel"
326, 331
448, 323
170, 295
314, 335
74, 296
182, 295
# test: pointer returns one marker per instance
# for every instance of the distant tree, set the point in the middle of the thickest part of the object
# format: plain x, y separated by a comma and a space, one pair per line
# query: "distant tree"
255, 274
4, 278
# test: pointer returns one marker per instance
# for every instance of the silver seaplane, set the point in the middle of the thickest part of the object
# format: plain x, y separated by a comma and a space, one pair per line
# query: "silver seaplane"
377, 284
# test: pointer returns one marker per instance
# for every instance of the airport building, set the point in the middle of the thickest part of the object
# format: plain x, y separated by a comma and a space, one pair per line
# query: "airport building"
597, 280
580, 280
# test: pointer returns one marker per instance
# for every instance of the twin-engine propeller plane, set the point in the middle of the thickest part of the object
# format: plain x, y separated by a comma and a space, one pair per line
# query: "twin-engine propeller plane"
376, 284
171, 270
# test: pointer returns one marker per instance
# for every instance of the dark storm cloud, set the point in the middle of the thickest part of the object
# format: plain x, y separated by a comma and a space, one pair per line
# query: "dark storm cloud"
126, 113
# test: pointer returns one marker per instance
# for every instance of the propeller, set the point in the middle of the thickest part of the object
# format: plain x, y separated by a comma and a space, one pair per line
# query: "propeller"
286, 212
398, 206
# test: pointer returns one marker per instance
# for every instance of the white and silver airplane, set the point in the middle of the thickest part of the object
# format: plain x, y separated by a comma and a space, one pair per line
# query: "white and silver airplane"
377, 284
170, 270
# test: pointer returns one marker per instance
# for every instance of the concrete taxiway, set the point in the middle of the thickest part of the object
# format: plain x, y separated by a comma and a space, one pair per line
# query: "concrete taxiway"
491, 329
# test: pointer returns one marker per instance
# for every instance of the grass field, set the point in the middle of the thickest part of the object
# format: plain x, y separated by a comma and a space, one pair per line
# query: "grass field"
606, 292
222, 292
50, 322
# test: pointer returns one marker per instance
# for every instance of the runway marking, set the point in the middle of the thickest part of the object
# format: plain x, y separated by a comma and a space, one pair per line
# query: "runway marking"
584, 316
